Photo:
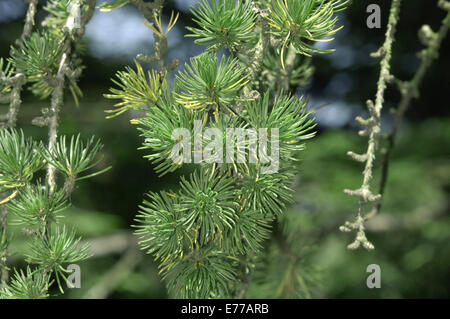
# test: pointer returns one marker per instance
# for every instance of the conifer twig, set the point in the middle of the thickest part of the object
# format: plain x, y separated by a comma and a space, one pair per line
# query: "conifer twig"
373, 127
410, 90
152, 11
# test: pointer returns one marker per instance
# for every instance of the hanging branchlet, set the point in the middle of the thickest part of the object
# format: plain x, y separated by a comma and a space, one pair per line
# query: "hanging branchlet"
409, 90
195, 218
372, 130
40, 56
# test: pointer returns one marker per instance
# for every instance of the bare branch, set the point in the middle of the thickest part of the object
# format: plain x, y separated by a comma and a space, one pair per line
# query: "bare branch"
410, 90
373, 127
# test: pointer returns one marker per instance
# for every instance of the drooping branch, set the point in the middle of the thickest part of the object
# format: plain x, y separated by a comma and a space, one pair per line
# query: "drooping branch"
410, 89
63, 71
372, 130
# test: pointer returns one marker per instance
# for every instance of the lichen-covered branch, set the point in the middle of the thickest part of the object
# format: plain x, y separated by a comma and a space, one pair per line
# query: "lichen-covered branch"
19, 80
263, 43
29, 19
410, 89
55, 108
256, 54
14, 98
59, 80
372, 130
